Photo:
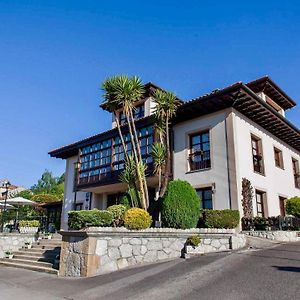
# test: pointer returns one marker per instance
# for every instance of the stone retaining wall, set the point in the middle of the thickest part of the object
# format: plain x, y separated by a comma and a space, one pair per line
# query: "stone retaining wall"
278, 235
101, 250
14, 241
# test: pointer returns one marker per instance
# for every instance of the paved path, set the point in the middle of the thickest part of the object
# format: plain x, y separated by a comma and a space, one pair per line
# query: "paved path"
269, 273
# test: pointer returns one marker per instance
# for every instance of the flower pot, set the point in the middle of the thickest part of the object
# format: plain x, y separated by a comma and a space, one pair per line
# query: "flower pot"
29, 246
49, 237
9, 256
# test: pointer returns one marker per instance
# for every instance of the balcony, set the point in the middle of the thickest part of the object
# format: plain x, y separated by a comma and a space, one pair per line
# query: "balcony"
110, 177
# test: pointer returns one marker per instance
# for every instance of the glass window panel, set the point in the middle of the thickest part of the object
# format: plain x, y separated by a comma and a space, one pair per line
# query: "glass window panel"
196, 139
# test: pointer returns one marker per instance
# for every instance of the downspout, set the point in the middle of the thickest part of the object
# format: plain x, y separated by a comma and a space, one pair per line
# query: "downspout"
227, 161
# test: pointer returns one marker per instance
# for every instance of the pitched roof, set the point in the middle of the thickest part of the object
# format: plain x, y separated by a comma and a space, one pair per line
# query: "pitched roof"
270, 88
240, 96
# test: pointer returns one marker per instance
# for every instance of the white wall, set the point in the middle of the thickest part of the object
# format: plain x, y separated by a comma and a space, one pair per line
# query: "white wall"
68, 203
218, 173
276, 182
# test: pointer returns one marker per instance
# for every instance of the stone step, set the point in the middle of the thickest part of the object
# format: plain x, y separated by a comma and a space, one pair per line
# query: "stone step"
34, 258
44, 247
37, 253
11, 263
40, 250
30, 262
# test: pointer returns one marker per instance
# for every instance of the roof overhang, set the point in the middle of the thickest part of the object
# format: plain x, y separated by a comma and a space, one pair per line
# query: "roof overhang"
240, 97
272, 90
72, 149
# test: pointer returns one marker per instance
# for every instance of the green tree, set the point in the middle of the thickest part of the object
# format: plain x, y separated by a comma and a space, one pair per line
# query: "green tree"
122, 92
293, 206
49, 184
165, 110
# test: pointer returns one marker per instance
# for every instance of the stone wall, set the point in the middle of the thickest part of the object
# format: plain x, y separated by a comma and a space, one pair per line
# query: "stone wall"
101, 250
278, 235
14, 241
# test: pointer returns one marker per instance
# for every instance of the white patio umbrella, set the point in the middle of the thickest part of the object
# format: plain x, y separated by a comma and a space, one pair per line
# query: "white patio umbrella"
8, 206
19, 201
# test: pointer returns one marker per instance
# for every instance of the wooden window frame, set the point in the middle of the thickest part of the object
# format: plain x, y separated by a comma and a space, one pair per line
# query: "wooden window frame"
257, 155
203, 164
282, 204
262, 203
296, 173
278, 159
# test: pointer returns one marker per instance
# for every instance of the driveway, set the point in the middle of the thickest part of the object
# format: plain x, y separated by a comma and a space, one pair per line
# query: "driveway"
269, 273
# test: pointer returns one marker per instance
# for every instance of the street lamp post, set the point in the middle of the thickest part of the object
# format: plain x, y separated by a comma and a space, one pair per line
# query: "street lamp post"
6, 184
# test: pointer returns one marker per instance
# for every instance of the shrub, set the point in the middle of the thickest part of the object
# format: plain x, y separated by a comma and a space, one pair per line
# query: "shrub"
32, 223
88, 218
260, 223
117, 212
137, 218
126, 201
226, 218
193, 240
180, 206
293, 206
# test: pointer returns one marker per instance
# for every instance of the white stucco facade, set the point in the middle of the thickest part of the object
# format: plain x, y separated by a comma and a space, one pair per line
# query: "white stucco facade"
217, 175
276, 181
232, 160
69, 193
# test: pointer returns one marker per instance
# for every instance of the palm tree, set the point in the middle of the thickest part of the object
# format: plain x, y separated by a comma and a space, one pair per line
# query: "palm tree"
159, 159
121, 92
166, 105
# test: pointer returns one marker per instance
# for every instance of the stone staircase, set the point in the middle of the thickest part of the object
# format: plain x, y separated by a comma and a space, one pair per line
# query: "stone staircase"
41, 257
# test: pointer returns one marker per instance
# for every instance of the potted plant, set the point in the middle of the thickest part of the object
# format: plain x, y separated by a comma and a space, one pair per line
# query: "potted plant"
9, 254
28, 245
29, 226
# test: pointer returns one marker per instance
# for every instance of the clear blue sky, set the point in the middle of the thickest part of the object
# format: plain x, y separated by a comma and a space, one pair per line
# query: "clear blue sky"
55, 54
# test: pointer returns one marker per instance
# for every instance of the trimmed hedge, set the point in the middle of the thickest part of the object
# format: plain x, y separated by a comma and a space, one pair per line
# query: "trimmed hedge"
293, 206
117, 212
29, 223
180, 206
226, 218
89, 218
137, 219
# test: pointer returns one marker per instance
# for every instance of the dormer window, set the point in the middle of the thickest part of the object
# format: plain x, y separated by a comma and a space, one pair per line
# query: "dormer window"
139, 112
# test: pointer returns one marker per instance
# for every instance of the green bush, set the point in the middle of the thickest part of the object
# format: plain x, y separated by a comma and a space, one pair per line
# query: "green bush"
137, 219
193, 240
293, 206
180, 206
117, 212
226, 218
126, 201
89, 218
32, 223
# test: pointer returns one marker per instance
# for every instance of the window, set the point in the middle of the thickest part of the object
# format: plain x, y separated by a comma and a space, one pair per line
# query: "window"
95, 159
260, 201
138, 112
205, 195
278, 158
282, 203
199, 157
296, 172
99, 160
258, 163
78, 206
